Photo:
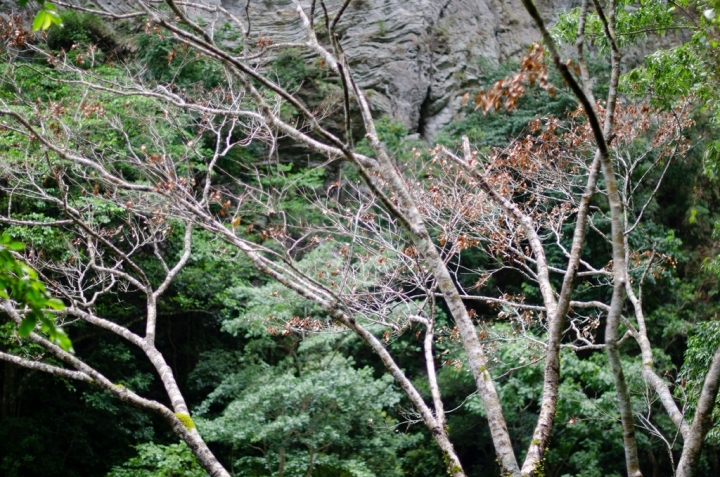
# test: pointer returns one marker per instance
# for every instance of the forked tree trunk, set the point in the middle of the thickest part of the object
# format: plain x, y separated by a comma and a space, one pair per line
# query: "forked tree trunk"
703, 421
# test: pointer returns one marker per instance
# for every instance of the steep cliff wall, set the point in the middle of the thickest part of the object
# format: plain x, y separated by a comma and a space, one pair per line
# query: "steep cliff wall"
415, 56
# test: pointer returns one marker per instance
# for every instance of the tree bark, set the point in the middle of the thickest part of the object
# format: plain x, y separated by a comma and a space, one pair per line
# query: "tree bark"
703, 421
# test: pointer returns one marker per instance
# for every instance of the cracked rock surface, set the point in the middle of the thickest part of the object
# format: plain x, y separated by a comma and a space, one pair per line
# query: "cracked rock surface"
416, 58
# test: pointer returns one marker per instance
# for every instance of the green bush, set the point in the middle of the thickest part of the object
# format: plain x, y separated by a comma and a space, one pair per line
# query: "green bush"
83, 29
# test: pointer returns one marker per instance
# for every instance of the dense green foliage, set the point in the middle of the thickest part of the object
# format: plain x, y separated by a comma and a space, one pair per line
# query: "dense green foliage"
174, 460
20, 282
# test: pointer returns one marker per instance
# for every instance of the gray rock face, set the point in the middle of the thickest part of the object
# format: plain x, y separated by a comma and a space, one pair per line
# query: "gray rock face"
416, 58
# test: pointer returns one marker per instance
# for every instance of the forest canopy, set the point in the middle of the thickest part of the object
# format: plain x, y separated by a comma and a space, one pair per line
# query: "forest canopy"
220, 256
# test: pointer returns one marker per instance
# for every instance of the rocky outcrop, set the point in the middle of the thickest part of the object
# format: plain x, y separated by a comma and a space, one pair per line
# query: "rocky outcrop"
416, 58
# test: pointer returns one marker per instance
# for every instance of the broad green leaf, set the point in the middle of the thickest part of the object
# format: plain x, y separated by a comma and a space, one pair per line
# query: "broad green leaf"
27, 326
54, 17
46, 17
58, 336
48, 21
55, 304
39, 20
14, 246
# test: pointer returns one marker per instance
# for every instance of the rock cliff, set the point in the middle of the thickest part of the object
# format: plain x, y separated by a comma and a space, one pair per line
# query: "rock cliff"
416, 57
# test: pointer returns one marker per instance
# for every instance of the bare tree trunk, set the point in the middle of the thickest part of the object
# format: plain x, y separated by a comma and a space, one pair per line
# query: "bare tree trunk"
617, 230
556, 323
619, 271
702, 422
473, 348
656, 382
281, 464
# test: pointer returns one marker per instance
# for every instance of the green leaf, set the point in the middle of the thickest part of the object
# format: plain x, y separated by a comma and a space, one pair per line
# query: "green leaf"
27, 326
48, 21
55, 17
39, 20
55, 304
46, 17
14, 246
63, 340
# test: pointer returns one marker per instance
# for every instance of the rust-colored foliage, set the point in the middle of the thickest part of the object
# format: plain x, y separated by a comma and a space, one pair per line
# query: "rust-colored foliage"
506, 92
542, 174
13, 32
